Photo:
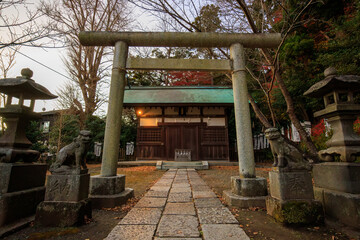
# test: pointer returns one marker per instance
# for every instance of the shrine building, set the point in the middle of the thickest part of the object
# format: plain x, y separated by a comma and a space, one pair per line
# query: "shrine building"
181, 118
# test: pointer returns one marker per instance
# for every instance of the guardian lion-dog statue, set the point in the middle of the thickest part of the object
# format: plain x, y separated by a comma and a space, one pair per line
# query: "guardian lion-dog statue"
71, 158
285, 155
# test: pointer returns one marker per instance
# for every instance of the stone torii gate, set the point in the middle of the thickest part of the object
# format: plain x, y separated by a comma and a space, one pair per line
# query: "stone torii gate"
236, 65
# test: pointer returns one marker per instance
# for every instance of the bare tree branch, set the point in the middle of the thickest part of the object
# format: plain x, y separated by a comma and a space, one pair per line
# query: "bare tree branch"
86, 65
21, 25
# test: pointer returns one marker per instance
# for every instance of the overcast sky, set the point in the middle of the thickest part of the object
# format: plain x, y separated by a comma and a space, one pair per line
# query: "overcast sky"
52, 59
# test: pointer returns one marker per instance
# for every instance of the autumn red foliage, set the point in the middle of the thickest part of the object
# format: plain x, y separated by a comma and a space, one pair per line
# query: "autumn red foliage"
318, 129
357, 125
187, 78
278, 16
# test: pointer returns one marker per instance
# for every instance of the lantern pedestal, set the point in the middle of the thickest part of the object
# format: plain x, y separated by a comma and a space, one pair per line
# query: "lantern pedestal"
337, 186
21, 190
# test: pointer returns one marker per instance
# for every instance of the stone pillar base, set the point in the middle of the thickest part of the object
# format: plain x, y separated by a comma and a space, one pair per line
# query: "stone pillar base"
246, 192
63, 214
295, 211
110, 201
109, 192
243, 202
21, 190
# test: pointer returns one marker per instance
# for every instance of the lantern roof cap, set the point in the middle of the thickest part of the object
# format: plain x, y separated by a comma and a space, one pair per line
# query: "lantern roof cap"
25, 86
333, 82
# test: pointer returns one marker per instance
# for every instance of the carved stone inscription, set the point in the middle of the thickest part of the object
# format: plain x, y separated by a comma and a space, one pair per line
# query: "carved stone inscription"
69, 188
291, 185
58, 188
296, 185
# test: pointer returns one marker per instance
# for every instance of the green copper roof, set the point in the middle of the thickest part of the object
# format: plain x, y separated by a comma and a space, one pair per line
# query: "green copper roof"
178, 95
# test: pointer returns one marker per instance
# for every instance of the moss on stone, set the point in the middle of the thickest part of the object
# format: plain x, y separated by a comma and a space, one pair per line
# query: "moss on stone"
295, 212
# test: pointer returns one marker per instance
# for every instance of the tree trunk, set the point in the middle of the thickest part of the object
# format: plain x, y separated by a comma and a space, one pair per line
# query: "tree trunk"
258, 113
291, 112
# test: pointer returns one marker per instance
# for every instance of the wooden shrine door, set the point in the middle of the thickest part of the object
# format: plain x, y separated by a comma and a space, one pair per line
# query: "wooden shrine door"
182, 137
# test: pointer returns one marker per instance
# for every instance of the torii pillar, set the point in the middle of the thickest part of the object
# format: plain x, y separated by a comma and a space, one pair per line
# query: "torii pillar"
108, 188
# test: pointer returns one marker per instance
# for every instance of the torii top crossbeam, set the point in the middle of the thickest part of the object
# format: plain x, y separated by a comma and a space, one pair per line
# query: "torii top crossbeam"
181, 39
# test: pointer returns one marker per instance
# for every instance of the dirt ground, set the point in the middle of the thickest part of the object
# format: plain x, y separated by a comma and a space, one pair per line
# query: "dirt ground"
256, 223
138, 178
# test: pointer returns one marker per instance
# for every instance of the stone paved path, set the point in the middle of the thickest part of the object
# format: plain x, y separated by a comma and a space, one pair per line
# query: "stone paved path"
180, 206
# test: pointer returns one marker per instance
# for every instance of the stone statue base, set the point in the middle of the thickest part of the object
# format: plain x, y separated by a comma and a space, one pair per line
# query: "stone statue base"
21, 190
63, 214
109, 192
66, 201
295, 211
337, 187
291, 197
246, 192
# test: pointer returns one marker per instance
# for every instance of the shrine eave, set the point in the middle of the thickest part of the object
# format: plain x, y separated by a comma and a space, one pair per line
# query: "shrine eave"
178, 96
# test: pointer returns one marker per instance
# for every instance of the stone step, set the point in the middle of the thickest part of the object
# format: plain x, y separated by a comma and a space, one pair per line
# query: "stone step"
160, 165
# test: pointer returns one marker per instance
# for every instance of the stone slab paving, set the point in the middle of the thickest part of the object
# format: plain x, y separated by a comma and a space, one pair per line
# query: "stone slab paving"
178, 226
180, 185
207, 202
133, 232
159, 194
151, 202
203, 194
142, 216
180, 197
218, 215
165, 183
199, 183
158, 238
223, 231
160, 188
180, 206
180, 190
200, 188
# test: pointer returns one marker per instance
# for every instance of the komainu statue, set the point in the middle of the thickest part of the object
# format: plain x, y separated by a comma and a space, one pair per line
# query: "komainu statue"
285, 155
71, 158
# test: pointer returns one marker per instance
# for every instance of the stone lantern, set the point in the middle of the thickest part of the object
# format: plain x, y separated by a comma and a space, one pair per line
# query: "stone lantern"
337, 180
341, 111
14, 145
21, 181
